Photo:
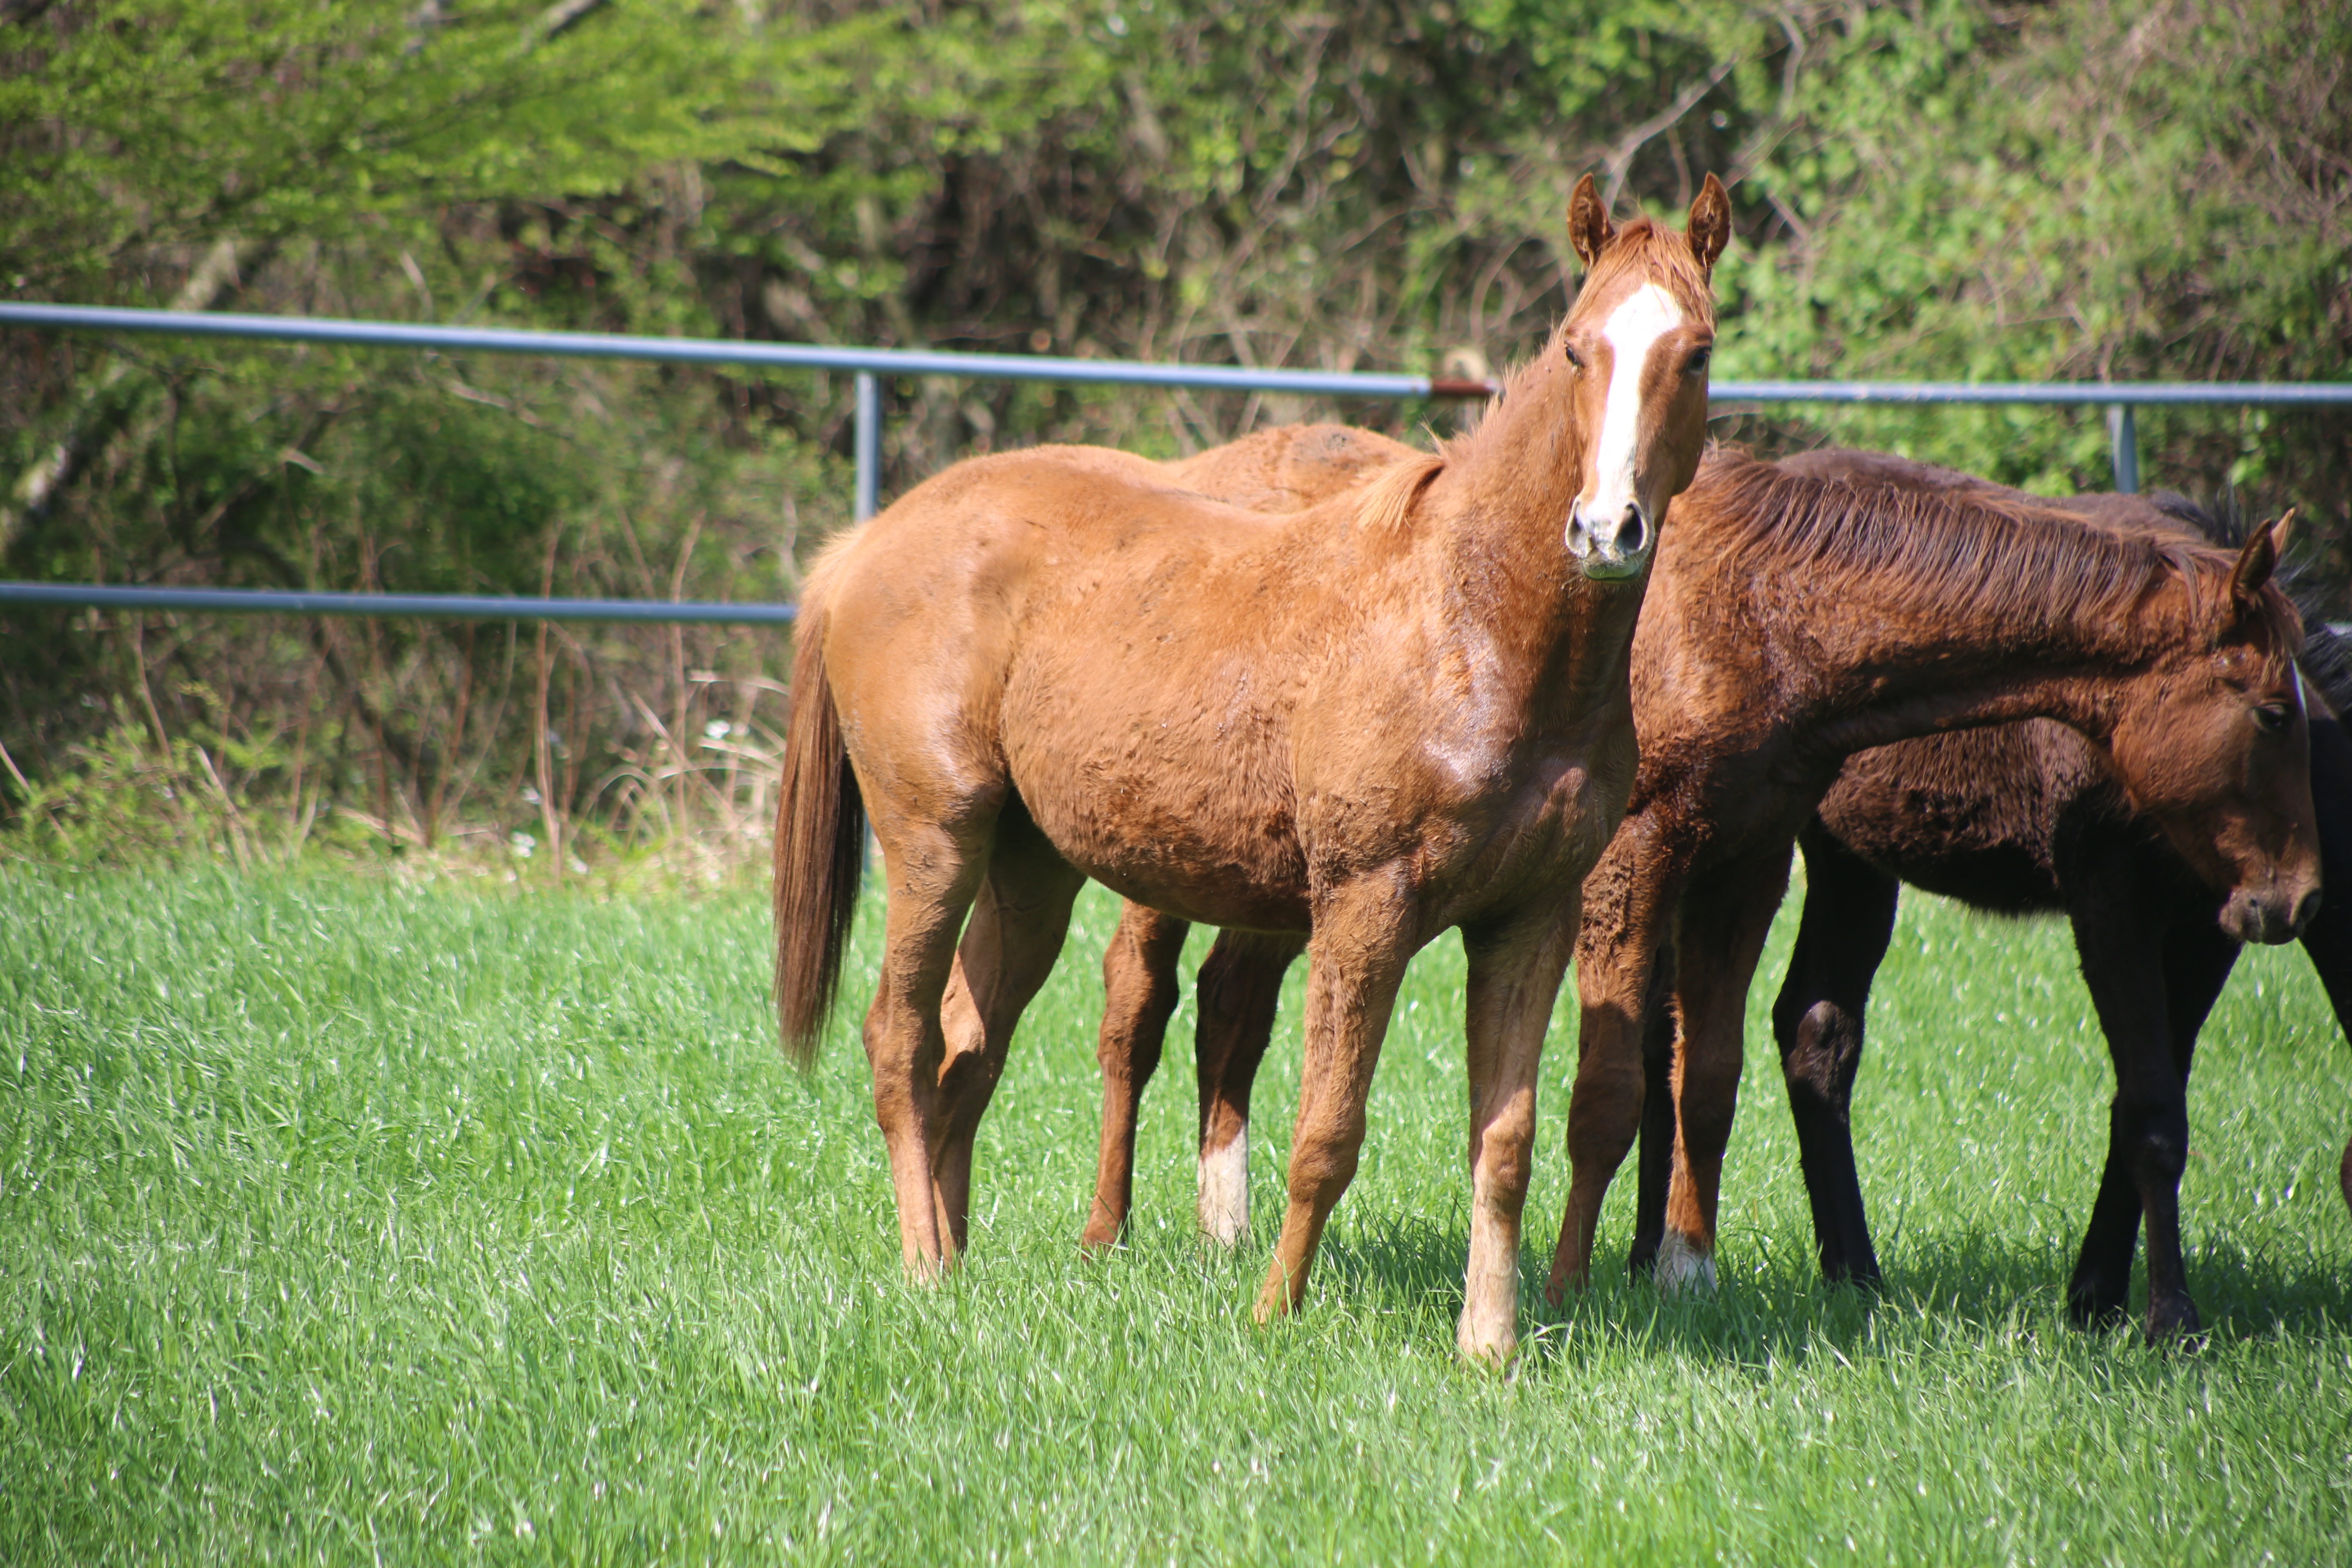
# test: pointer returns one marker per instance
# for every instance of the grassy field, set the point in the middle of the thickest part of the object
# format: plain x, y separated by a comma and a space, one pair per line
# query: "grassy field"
346, 1220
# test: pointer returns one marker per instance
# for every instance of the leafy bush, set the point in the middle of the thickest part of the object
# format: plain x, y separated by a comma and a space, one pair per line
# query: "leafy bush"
1944, 189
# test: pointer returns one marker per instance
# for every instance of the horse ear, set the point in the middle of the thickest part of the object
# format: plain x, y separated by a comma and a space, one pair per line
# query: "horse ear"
1589, 230
2257, 560
1709, 228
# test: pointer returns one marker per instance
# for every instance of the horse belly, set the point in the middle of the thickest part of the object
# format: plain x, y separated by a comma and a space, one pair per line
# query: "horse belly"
1170, 804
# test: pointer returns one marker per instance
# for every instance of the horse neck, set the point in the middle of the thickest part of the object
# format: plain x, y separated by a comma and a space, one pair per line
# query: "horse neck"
1499, 546
1880, 660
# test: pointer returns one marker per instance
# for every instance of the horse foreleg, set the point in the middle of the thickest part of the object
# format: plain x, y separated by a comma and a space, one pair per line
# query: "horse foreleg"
2327, 940
1627, 900
1240, 987
1514, 979
1725, 919
1139, 994
1018, 922
1363, 939
1817, 1021
2119, 916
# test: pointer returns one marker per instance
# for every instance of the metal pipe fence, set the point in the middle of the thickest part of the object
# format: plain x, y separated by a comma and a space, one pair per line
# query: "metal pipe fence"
869, 364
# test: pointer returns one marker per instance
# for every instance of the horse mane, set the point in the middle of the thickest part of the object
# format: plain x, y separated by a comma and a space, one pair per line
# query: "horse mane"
1660, 254
1388, 496
1972, 552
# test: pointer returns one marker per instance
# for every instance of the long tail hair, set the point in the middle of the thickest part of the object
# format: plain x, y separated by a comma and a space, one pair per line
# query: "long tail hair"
820, 850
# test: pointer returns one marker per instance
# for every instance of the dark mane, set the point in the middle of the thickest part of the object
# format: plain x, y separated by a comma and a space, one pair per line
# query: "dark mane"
2326, 659
2326, 653
1974, 551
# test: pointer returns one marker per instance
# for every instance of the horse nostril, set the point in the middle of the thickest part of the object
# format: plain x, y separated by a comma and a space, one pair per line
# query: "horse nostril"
2305, 909
1634, 533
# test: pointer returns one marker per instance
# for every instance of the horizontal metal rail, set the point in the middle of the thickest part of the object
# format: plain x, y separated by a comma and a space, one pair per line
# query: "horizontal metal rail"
418, 607
2128, 394
867, 364
731, 351
1123, 372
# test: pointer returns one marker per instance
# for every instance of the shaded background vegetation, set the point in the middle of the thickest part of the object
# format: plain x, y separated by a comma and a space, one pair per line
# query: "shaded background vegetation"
1943, 189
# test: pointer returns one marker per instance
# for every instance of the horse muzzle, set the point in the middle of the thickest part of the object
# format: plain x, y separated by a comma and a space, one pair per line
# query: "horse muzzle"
1609, 548
2269, 918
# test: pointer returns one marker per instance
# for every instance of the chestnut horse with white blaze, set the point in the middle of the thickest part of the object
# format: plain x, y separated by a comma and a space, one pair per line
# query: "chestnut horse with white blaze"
1402, 710
1792, 622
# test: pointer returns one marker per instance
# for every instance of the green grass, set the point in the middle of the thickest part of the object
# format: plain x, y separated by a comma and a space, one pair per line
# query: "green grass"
346, 1220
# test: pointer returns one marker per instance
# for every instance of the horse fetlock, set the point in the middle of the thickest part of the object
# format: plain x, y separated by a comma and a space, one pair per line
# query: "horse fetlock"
1224, 1191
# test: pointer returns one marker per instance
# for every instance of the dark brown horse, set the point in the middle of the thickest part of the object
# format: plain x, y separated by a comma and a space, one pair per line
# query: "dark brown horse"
1930, 613
1749, 690
1399, 712
2027, 819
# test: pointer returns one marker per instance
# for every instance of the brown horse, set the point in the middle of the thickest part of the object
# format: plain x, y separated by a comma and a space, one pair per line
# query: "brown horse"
1746, 702
1402, 710
2024, 819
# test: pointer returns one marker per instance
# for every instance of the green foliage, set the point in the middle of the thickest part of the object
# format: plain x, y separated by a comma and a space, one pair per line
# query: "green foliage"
2097, 193
161, 122
346, 1218
1948, 189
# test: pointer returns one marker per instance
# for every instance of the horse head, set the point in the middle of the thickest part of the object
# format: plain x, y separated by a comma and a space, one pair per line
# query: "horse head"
2221, 758
1637, 343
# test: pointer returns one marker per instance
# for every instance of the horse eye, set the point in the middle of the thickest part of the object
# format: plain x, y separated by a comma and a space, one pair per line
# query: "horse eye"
1698, 361
1573, 357
2273, 717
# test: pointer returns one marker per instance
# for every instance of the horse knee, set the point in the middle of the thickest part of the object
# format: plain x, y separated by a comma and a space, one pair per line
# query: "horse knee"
1321, 1167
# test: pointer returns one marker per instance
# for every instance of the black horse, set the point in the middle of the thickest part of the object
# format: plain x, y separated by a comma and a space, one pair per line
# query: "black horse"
2021, 819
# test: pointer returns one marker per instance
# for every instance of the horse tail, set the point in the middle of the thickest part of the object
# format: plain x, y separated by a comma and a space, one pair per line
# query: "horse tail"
820, 850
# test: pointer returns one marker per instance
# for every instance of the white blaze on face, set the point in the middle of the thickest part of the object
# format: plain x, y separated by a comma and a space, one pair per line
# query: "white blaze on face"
1633, 327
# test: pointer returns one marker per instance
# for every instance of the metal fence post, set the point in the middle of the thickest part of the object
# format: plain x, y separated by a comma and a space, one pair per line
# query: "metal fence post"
2123, 434
869, 443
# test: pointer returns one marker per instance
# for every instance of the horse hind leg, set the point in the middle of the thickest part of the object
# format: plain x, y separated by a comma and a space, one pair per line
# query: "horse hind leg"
935, 869
1817, 1021
1139, 995
1240, 988
1018, 922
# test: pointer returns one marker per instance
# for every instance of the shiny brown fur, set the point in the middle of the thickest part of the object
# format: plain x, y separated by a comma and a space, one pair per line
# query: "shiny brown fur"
1399, 712
1753, 682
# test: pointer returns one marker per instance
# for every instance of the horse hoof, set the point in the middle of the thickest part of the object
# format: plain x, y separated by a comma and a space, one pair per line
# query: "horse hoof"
1681, 1267
1488, 1347
2093, 1311
2179, 1329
